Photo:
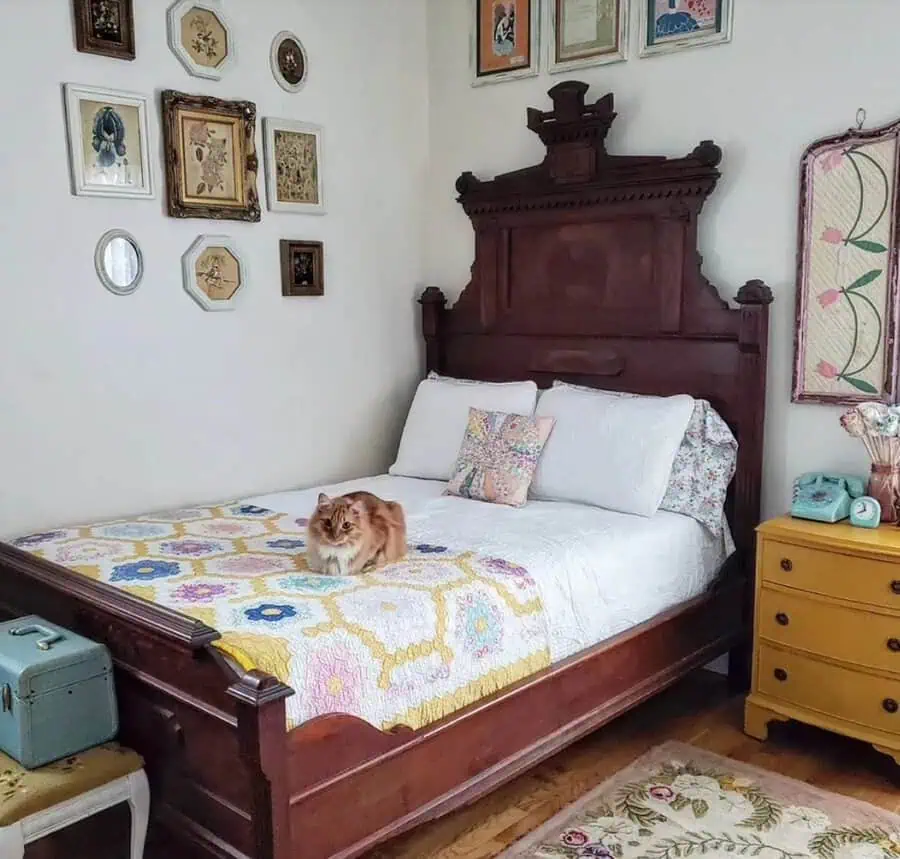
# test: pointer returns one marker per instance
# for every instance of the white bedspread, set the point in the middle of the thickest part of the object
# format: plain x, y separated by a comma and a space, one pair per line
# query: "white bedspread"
599, 572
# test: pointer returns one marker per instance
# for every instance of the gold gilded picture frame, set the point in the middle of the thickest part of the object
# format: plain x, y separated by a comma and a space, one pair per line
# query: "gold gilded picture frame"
211, 158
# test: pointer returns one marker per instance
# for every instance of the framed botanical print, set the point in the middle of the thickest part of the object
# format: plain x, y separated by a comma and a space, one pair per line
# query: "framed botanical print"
672, 25
302, 268
503, 40
211, 160
585, 33
289, 62
109, 143
105, 27
201, 37
847, 269
214, 272
294, 180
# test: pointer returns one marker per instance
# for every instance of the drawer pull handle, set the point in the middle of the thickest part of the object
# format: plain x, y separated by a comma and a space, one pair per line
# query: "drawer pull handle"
787, 566
895, 586
890, 705
781, 675
782, 619
894, 644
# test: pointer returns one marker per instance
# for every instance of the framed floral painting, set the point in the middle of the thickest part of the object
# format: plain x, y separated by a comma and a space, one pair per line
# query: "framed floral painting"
584, 33
289, 62
214, 272
109, 143
673, 25
504, 38
105, 27
201, 37
294, 169
211, 160
847, 269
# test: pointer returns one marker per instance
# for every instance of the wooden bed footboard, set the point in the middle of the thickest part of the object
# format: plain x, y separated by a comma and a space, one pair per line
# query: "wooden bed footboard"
228, 779
213, 739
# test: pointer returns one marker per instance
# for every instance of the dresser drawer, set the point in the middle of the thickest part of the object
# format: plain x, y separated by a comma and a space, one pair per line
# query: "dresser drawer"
856, 636
832, 574
851, 695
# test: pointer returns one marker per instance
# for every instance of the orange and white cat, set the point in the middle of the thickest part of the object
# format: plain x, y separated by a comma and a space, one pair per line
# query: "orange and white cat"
347, 533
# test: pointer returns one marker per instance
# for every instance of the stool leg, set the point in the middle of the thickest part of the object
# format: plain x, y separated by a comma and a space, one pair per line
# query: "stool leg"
139, 802
12, 842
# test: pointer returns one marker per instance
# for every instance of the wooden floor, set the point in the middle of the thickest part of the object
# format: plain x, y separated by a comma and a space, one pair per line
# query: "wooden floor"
697, 711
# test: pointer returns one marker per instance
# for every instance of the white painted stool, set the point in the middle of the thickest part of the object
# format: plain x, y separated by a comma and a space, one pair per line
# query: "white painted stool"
35, 803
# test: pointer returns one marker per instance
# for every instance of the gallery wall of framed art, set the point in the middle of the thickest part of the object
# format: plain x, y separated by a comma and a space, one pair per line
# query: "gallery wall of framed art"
94, 264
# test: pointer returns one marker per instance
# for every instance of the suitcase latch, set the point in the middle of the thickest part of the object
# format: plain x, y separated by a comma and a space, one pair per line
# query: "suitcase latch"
6, 698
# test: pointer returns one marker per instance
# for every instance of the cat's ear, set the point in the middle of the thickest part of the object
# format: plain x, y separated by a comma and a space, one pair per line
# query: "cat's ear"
323, 500
358, 507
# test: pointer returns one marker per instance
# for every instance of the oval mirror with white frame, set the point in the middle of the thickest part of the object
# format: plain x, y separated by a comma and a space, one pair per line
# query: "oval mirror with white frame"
119, 262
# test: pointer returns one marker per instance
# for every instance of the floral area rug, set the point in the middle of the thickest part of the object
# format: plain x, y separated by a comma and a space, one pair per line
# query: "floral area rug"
678, 801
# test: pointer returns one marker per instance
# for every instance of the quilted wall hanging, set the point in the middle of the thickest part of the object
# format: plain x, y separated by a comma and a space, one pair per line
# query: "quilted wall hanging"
847, 269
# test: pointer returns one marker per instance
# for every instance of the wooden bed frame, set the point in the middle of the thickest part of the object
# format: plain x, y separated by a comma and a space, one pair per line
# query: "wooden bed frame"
586, 268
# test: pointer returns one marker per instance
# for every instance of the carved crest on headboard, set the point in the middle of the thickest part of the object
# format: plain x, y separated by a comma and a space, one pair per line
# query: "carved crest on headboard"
574, 134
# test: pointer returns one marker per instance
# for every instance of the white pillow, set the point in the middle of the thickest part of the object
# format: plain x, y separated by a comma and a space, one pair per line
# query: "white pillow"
438, 416
610, 451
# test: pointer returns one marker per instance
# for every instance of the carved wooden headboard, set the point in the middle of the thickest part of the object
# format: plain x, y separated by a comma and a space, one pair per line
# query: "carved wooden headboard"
586, 269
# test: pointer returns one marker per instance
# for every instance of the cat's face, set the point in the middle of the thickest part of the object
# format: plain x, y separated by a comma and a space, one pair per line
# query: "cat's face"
337, 522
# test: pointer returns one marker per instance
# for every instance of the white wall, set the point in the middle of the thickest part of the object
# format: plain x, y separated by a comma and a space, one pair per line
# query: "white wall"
795, 71
114, 405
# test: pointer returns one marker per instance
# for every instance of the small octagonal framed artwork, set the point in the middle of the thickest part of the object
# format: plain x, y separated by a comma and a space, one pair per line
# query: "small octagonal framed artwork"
214, 272
201, 37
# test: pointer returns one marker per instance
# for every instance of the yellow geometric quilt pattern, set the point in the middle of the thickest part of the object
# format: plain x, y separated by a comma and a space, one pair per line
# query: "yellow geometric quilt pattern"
405, 645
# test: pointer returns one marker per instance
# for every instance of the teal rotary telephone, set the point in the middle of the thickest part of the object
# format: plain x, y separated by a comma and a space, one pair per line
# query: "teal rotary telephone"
825, 497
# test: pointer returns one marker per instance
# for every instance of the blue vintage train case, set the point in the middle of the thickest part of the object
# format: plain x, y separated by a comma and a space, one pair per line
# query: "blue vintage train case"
56, 692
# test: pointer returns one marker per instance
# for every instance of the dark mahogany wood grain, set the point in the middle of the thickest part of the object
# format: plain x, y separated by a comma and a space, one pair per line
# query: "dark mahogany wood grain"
585, 269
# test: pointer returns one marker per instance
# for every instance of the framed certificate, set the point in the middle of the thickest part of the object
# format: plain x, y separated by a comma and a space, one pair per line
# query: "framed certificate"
503, 40
585, 33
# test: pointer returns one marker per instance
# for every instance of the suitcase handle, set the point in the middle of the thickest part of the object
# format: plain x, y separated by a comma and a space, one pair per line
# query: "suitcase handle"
49, 636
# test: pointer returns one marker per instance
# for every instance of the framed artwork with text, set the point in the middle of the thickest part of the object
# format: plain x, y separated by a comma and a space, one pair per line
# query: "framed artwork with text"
503, 40
847, 269
582, 33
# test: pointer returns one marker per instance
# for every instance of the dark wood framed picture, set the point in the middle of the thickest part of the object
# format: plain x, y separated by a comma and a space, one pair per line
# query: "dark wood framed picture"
105, 27
302, 268
211, 160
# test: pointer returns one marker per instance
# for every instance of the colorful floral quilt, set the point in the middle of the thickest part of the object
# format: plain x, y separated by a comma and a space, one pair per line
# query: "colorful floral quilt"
407, 644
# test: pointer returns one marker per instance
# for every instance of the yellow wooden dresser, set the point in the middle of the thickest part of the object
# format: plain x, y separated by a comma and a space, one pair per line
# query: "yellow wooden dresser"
826, 645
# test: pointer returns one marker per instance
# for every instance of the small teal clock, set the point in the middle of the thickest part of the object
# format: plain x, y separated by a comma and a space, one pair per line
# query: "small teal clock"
865, 512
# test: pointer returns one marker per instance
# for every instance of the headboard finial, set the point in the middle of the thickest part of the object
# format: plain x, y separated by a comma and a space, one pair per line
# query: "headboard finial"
754, 292
573, 132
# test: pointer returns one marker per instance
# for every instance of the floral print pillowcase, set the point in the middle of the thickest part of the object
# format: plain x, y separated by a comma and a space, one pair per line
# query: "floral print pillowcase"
702, 468
498, 457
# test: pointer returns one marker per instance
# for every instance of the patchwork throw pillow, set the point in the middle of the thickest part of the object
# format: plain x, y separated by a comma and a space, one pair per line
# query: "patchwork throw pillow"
498, 457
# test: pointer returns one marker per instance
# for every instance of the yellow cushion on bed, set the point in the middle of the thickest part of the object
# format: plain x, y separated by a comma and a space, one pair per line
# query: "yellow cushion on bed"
25, 792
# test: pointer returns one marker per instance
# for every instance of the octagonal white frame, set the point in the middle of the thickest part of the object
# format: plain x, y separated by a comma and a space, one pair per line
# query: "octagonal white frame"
188, 270
273, 62
176, 13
